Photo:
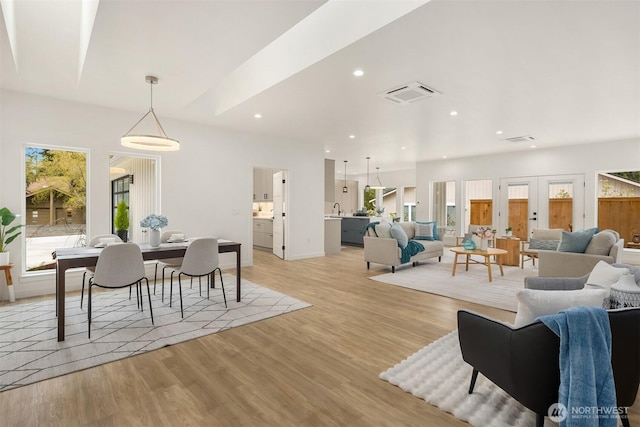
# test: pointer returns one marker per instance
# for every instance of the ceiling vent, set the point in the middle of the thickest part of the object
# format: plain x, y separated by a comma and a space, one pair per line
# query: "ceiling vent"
518, 139
408, 93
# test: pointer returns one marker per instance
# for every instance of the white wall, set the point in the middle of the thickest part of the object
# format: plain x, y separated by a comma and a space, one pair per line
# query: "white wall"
206, 187
587, 159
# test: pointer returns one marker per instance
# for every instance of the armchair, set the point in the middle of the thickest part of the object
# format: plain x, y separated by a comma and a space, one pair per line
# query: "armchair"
529, 251
524, 361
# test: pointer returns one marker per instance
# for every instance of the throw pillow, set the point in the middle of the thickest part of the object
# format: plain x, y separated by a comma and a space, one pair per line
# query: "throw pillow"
601, 243
549, 245
383, 230
398, 233
434, 224
533, 303
424, 231
576, 241
603, 276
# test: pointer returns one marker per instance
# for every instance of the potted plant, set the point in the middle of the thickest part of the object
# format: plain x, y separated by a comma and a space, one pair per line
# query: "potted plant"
508, 231
7, 234
121, 221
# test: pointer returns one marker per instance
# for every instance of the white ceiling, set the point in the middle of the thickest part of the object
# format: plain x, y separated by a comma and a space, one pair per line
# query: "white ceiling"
565, 72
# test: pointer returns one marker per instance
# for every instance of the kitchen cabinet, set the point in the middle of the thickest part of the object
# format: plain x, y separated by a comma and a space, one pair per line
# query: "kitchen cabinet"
353, 230
263, 232
263, 184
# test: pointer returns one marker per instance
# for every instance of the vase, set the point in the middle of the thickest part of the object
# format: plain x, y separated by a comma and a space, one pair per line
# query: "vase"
484, 244
154, 238
469, 245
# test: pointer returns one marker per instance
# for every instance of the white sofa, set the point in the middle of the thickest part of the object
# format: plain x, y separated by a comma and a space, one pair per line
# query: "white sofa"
385, 250
570, 264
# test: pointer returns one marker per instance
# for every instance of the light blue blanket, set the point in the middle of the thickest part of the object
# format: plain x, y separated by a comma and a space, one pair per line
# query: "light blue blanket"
587, 389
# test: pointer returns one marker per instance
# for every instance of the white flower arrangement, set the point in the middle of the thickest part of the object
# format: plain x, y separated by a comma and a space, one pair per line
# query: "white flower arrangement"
155, 222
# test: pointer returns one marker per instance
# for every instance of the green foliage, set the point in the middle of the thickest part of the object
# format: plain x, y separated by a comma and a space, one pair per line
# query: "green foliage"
631, 176
562, 194
370, 200
121, 221
69, 168
8, 235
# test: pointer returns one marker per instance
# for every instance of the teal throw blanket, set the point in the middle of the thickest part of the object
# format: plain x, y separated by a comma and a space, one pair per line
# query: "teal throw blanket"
586, 376
412, 249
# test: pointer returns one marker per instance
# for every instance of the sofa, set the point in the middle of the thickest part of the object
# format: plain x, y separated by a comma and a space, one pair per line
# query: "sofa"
605, 245
572, 283
382, 248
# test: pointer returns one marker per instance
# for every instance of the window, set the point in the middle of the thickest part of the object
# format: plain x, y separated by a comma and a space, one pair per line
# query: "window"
619, 205
119, 191
55, 203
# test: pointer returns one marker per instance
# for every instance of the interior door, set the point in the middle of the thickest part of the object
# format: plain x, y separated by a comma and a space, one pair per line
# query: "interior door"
279, 212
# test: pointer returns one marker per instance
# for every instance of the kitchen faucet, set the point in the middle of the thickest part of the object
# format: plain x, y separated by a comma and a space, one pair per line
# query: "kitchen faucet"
334, 206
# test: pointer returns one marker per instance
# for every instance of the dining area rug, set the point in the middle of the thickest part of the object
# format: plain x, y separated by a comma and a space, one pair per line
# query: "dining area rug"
30, 352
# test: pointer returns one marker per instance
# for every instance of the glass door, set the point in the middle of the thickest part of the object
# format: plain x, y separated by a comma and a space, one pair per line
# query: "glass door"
541, 202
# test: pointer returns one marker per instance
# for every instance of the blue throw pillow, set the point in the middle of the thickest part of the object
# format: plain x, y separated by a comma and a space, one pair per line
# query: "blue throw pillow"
398, 233
435, 229
577, 241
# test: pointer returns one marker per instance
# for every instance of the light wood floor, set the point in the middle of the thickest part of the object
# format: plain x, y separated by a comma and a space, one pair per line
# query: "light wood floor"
314, 367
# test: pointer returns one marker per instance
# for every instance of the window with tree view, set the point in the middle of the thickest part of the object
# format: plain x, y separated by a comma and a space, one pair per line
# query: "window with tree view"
55, 203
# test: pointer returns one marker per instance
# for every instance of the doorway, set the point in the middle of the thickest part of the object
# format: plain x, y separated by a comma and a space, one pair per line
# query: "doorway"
550, 201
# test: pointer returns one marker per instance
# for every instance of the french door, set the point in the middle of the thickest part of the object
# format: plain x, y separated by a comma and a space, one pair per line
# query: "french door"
549, 201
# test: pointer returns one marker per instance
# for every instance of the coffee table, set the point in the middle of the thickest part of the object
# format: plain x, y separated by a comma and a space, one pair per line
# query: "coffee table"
490, 252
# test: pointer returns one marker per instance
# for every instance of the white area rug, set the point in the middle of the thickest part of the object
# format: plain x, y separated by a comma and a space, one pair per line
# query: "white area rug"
30, 352
472, 286
438, 375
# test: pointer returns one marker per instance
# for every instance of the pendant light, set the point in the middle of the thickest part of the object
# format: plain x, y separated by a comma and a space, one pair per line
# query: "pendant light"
345, 189
367, 187
160, 142
378, 186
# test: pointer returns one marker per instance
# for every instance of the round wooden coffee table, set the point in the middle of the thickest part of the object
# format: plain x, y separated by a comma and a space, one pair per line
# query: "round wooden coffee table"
490, 252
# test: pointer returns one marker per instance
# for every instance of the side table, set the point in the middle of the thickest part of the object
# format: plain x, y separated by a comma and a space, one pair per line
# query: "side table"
7, 275
512, 246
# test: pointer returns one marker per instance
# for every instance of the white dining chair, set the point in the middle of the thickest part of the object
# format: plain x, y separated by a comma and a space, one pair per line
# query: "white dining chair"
91, 270
201, 259
166, 263
120, 266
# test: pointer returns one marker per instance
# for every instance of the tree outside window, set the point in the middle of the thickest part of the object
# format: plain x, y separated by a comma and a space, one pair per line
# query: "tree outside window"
55, 203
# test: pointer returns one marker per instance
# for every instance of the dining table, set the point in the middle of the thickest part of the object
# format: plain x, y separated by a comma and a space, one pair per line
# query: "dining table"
67, 258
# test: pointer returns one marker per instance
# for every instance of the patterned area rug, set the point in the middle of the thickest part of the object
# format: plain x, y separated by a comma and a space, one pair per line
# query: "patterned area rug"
30, 352
472, 286
438, 375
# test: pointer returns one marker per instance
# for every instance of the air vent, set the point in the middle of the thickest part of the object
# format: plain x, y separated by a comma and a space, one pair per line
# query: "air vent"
408, 93
518, 139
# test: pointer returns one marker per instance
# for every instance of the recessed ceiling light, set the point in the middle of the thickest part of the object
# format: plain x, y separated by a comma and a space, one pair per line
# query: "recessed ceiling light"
403, 148
352, 136
533, 146
257, 115
499, 132
454, 113
444, 157
358, 73
327, 151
